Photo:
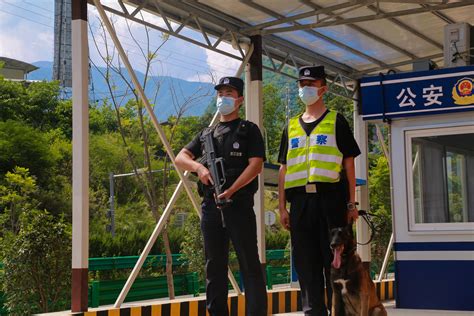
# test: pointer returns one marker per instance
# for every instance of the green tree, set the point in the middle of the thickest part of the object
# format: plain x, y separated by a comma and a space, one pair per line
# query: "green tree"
341, 105
21, 145
15, 198
37, 265
380, 204
273, 120
41, 100
12, 100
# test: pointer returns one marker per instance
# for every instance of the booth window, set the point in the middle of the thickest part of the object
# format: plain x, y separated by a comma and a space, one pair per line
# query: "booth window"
442, 172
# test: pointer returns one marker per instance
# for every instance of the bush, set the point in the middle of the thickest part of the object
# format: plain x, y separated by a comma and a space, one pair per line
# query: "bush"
379, 188
276, 239
37, 265
193, 246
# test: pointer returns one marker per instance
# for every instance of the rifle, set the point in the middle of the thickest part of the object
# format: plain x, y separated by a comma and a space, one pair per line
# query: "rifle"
216, 168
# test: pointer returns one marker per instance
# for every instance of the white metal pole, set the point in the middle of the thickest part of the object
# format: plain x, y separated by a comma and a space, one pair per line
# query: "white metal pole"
362, 192
254, 113
80, 157
385, 259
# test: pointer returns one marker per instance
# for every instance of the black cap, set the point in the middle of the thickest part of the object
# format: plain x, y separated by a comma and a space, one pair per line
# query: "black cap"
233, 82
311, 73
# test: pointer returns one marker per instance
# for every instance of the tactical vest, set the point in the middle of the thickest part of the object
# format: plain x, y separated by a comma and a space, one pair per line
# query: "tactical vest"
313, 158
233, 147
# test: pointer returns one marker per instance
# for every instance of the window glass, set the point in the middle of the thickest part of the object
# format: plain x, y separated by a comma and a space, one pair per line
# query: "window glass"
442, 170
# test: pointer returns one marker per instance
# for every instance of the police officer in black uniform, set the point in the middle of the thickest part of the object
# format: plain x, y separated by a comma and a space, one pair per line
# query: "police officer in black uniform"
320, 205
241, 145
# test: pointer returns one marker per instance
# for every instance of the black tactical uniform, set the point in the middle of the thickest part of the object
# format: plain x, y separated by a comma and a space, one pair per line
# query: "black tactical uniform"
236, 141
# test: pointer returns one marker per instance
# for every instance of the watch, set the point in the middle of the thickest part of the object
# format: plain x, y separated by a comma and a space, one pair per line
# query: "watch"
351, 205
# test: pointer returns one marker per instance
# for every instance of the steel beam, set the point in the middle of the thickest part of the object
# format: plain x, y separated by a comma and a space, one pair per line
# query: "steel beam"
375, 17
80, 157
279, 48
362, 192
317, 11
234, 25
308, 56
440, 15
365, 32
343, 46
408, 28
401, 63
254, 113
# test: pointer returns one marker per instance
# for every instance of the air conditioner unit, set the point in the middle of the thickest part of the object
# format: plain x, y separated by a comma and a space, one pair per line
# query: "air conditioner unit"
458, 45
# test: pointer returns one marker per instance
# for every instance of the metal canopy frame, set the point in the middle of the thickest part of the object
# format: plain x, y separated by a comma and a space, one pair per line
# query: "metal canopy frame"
216, 27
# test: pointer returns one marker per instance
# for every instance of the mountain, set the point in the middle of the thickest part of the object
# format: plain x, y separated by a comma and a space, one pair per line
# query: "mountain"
172, 91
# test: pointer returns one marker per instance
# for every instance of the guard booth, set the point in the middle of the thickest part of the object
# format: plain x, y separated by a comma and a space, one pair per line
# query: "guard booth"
431, 120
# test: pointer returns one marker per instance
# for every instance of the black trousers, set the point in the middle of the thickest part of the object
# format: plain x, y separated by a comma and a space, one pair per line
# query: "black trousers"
312, 215
241, 228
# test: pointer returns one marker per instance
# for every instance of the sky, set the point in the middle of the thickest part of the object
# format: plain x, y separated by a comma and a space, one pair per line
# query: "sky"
27, 34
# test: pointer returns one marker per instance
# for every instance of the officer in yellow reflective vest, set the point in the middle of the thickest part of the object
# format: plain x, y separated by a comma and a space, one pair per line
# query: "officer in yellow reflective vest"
317, 178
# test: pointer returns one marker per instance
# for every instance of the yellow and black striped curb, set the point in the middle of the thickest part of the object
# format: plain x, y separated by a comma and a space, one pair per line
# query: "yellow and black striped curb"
385, 289
279, 301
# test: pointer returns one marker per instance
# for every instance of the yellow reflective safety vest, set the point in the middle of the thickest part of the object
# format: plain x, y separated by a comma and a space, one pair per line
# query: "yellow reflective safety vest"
313, 158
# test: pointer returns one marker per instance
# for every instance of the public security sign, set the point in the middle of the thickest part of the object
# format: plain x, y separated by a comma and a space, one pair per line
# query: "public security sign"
418, 93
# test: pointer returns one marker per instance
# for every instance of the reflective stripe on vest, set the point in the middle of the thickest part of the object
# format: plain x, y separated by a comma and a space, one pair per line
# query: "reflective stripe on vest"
313, 158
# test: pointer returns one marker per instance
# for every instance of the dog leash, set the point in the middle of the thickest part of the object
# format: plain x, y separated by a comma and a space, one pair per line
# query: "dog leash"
366, 216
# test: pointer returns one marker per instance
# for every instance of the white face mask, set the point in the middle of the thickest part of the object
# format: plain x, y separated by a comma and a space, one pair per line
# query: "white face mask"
309, 95
225, 105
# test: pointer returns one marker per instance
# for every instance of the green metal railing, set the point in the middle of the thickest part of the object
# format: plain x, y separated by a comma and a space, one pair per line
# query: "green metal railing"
106, 292
128, 262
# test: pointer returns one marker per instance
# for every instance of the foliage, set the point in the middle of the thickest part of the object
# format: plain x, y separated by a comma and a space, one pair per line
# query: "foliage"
192, 246
15, 198
379, 190
276, 239
341, 105
22, 145
42, 246
273, 120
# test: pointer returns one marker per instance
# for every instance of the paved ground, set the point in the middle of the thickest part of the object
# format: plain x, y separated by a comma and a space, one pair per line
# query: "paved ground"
389, 305
392, 311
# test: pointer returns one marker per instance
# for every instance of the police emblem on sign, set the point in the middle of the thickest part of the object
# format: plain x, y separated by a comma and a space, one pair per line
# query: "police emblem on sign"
236, 145
307, 72
463, 91
226, 81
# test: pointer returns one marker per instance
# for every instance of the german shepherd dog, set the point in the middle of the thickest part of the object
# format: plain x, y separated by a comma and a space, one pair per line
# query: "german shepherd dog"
353, 289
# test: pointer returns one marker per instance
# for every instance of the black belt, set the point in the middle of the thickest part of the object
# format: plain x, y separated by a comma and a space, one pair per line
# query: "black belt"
320, 187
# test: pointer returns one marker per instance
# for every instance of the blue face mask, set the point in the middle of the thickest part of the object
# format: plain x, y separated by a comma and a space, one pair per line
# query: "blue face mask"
225, 105
309, 95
